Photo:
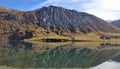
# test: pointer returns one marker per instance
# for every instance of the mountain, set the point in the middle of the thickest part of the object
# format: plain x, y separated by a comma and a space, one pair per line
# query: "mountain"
116, 23
51, 19
58, 17
10, 21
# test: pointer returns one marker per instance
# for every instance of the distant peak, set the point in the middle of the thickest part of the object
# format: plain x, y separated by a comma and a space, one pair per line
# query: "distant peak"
50, 6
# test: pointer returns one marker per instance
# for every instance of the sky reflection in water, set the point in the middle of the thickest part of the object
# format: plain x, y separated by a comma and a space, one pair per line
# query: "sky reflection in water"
108, 65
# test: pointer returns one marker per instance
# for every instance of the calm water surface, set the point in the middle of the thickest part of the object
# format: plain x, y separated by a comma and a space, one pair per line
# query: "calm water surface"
80, 55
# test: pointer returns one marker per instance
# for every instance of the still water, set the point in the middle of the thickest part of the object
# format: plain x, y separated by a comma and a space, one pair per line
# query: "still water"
80, 55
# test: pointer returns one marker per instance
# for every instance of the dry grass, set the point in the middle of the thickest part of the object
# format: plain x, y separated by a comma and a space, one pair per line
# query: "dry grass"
38, 38
85, 37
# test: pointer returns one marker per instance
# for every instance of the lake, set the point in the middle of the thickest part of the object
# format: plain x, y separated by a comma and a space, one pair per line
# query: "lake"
62, 55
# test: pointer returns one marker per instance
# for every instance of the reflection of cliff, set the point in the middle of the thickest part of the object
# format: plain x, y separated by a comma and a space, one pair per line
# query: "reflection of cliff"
103, 45
58, 57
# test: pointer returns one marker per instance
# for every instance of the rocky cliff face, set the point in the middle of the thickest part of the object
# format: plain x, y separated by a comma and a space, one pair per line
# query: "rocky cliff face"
57, 17
116, 23
52, 19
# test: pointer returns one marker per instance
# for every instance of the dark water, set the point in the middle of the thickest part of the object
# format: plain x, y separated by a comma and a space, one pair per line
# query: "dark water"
26, 55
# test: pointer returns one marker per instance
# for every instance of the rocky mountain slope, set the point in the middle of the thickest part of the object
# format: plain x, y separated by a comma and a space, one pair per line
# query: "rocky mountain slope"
59, 18
52, 19
10, 21
116, 23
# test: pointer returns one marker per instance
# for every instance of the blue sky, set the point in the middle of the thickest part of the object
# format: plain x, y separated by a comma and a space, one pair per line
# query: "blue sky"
105, 9
20, 4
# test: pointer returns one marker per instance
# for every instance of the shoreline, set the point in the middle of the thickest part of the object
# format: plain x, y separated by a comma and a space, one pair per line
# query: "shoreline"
67, 40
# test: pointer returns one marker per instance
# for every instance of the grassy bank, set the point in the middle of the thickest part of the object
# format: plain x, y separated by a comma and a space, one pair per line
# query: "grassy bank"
90, 37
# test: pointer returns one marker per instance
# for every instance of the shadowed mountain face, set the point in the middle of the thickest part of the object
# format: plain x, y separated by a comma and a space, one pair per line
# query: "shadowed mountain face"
54, 19
116, 23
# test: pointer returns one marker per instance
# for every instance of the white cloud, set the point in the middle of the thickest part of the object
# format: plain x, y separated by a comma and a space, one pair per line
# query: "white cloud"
70, 4
105, 9
75, 0
110, 4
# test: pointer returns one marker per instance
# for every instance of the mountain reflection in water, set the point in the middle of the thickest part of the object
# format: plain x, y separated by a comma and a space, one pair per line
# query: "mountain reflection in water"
27, 55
